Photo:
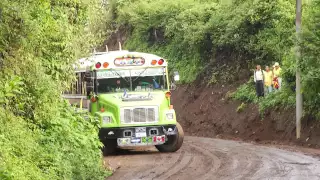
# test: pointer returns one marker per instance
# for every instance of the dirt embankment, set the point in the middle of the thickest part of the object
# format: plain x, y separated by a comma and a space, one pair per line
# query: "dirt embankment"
206, 111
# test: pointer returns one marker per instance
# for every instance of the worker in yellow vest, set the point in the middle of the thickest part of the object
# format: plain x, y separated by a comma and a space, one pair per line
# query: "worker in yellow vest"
268, 77
277, 75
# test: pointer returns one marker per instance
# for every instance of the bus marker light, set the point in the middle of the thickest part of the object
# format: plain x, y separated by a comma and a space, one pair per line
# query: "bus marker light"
161, 61
105, 65
98, 65
154, 62
168, 94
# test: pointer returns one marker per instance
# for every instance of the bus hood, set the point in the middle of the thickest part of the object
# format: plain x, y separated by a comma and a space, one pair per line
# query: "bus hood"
134, 98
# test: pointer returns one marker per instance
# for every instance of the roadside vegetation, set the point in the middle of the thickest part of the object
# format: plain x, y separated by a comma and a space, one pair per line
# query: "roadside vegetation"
309, 65
218, 41
41, 136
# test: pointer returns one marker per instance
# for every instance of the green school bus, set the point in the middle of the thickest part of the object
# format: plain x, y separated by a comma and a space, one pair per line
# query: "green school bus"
129, 92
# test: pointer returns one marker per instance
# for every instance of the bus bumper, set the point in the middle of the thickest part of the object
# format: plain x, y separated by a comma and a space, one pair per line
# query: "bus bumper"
122, 132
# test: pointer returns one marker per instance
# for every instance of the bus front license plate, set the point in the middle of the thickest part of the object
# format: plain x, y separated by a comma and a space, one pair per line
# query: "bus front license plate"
141, 132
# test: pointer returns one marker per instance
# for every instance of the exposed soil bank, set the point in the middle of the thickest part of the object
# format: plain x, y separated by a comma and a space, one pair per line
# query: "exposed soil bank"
207, 112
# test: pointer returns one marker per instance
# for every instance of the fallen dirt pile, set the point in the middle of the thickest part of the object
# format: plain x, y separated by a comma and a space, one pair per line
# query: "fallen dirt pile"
208, 112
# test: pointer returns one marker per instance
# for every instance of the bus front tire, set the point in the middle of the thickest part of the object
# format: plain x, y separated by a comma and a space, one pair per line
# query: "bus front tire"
174, 142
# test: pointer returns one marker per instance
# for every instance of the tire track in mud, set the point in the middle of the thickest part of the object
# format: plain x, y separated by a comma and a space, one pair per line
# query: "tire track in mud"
128, 163
163, 170
271, 167
176, 169
215, 163
204, 158
182, 171
242, 168
152, 168
295, 165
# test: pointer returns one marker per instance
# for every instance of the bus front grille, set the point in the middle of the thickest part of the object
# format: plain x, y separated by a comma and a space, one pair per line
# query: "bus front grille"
139, 115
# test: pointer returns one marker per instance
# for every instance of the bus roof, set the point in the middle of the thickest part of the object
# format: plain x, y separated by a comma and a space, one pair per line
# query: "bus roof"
119, 60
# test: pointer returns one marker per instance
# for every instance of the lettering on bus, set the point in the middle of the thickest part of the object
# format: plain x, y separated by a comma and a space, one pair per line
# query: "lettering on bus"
129, 61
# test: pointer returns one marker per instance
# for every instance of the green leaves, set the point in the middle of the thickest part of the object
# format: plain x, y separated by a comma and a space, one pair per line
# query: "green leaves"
310, 62
192, 33
41, 137
12, 87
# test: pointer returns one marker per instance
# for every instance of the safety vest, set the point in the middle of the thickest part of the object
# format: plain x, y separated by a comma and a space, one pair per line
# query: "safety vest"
275, 83
267, 78
277, 72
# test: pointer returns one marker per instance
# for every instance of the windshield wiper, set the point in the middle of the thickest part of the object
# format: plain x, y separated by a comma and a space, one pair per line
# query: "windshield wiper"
121, 76
139, 75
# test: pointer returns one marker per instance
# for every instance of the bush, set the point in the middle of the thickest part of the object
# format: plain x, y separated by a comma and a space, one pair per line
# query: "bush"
41, 137
284, 98
191, 33
20, 151
310, 62
64, 146
246, 92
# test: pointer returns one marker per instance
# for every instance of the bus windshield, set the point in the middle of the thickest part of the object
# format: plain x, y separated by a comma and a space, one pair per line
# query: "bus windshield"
139, 80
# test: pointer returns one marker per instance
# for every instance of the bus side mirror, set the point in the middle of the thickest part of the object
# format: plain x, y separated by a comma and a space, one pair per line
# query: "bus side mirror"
176, 76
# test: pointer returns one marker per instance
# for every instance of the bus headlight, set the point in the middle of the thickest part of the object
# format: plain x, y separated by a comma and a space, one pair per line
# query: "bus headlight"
106, 119
169, 116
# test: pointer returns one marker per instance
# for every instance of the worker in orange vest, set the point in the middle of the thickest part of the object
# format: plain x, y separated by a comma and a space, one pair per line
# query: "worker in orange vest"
277, 76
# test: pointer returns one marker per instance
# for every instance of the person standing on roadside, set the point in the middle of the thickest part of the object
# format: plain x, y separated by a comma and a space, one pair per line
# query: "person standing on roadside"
277, 75
259, 81
268, 75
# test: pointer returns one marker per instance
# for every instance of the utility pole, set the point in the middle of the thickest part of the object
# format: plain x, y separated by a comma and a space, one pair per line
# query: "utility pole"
298, 72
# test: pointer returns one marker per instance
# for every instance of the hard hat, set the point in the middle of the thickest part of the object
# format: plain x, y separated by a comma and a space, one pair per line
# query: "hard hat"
276, 64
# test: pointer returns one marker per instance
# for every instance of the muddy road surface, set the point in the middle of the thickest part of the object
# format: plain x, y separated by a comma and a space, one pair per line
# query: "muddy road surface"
205, 158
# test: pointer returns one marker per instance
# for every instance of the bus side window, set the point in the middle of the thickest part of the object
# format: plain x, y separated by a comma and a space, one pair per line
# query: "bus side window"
78, 86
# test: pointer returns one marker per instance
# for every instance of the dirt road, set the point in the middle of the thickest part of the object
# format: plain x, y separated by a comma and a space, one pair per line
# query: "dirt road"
205, 158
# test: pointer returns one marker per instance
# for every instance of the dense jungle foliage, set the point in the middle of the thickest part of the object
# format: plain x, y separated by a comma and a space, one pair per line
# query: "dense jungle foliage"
221, 38
41, 136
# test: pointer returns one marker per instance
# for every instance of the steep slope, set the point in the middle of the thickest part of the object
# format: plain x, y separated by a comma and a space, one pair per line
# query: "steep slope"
207, 111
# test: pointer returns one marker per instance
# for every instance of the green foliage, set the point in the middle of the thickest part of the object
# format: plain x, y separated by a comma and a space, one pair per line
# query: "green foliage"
41, 137
310, 63
18, 149
66, 149
211, 37
192, 33
246, 92
284, 99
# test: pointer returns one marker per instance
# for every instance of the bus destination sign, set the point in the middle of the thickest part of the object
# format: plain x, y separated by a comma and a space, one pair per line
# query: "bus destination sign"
129, 61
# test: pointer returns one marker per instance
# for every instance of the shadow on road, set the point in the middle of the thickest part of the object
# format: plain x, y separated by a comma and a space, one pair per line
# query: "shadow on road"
136, 151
